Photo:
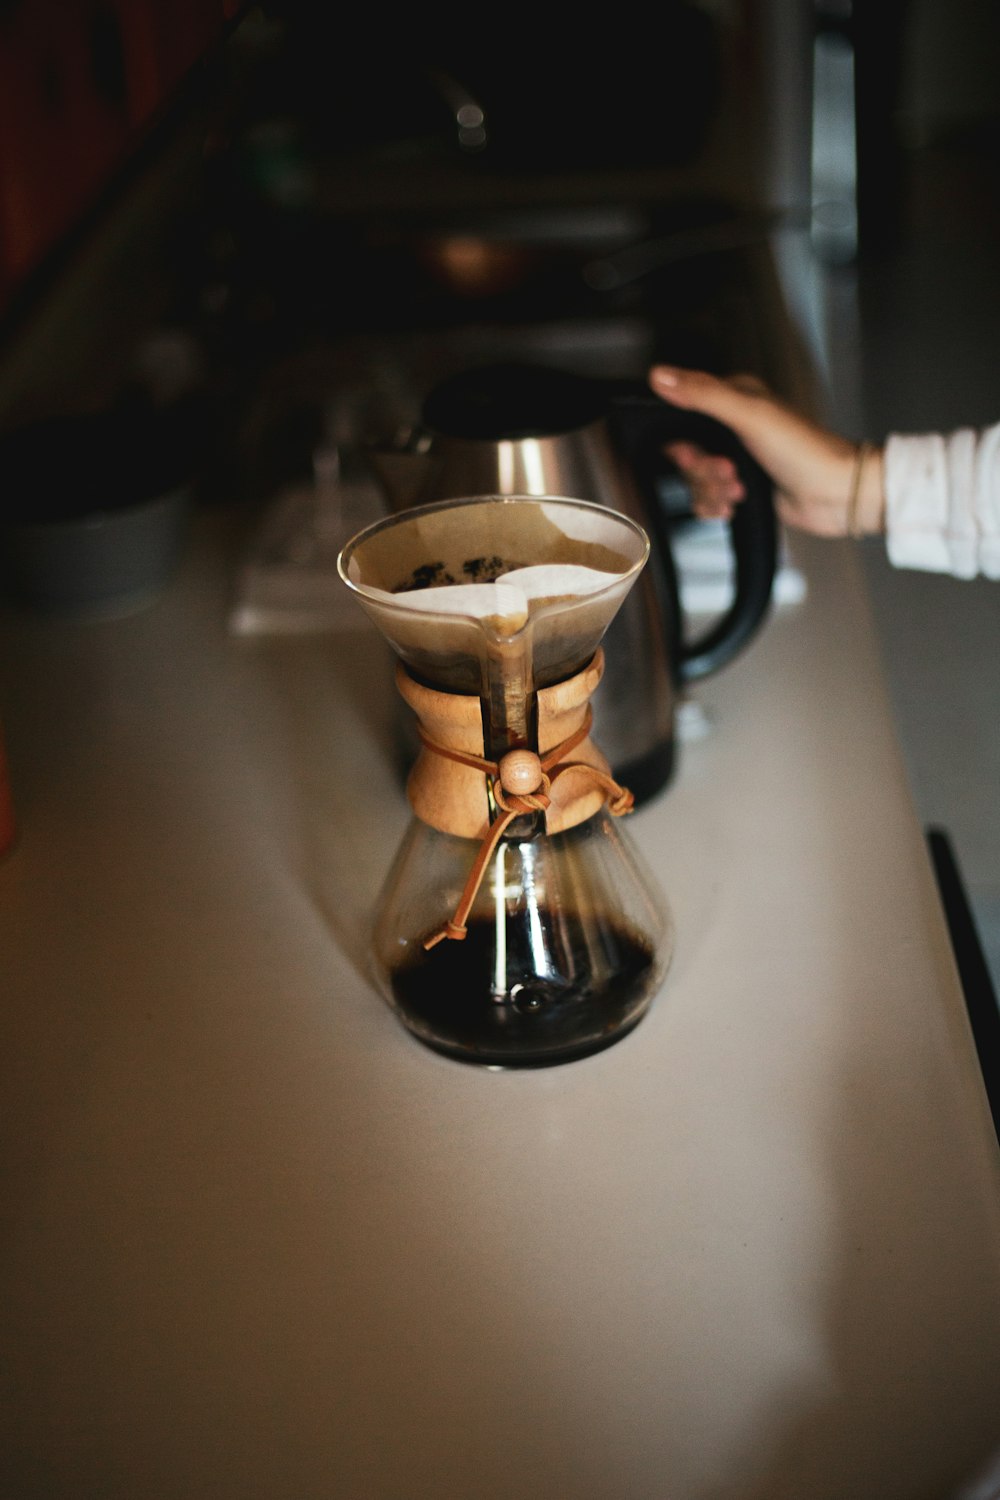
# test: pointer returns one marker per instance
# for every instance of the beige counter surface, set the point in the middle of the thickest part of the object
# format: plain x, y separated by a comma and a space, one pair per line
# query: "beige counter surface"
258, 1242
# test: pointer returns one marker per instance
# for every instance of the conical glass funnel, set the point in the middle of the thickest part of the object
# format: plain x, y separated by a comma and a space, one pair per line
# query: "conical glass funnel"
559, 568
517, 926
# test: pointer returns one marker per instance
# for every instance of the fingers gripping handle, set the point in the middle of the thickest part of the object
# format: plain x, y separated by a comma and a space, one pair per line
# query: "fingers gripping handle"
649, 426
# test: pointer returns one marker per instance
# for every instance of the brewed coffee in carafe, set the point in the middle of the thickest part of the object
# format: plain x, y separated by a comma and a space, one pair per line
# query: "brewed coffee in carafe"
518, 926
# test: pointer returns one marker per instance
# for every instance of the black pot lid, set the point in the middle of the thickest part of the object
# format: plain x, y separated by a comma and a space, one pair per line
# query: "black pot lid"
511, 401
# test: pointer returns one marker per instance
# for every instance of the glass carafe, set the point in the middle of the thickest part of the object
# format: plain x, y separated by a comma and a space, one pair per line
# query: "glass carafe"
518, 926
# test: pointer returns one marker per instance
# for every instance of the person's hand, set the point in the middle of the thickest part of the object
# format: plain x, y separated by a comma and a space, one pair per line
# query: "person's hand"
813, 470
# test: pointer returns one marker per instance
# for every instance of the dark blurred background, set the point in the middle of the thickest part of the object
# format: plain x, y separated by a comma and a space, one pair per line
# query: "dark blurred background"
313, 193
256, 189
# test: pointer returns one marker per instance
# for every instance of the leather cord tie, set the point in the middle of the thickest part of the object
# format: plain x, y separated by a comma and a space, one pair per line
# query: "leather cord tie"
521, 782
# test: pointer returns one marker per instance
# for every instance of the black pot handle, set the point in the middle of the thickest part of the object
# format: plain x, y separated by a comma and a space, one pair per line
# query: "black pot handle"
646, 425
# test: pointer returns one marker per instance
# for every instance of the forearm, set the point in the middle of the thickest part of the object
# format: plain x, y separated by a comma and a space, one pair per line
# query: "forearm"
935, 497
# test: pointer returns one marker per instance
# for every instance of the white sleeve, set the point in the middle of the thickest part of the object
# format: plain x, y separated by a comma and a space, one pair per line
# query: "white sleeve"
943, 502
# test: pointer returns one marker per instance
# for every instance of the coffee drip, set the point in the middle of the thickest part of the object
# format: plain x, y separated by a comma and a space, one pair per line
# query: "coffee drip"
517, 926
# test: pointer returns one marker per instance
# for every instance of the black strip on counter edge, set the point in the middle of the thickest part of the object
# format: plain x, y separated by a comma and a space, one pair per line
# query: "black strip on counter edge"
977, 985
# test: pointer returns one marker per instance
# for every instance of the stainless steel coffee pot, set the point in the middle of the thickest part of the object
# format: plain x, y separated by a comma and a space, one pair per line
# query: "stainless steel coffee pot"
517, 429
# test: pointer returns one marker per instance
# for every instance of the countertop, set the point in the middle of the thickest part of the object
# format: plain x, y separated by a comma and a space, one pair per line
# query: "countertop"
260, 1243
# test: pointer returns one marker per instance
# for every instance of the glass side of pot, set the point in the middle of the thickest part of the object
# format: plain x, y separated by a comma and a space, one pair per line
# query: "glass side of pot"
568, 941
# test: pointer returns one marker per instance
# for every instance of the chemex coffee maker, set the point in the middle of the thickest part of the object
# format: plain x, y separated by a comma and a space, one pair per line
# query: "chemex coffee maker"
518, 927
525, 429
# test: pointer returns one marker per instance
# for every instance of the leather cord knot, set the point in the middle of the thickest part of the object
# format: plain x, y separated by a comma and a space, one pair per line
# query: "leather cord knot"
532, 802
521, 783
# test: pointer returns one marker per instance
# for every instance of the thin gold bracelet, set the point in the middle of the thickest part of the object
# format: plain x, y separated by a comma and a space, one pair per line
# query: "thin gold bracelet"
864, 450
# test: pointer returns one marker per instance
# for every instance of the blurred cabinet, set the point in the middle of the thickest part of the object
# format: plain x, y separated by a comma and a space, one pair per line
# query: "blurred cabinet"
81, 82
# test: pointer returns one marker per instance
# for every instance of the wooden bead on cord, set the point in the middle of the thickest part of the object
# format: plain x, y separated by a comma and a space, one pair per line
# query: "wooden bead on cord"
520, 772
